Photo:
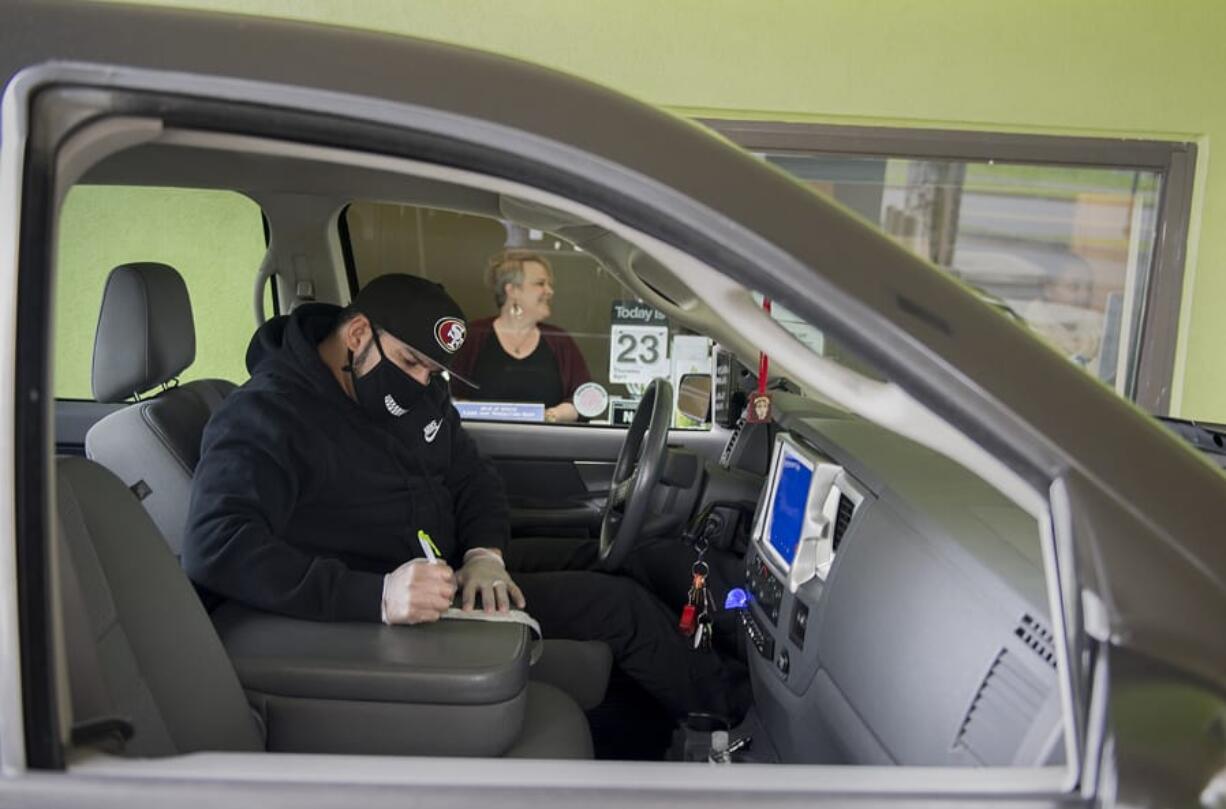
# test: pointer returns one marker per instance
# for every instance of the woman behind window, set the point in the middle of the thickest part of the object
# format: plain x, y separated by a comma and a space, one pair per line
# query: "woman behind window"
516, 357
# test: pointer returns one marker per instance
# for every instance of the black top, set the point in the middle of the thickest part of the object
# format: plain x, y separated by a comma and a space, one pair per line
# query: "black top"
502, 378
301, 502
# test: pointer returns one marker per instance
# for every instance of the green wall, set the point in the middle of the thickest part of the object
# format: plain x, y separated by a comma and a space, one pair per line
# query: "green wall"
215, 239
1118, 68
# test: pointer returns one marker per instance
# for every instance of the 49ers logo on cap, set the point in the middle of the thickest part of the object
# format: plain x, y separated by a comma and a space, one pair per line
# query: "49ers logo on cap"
450, 333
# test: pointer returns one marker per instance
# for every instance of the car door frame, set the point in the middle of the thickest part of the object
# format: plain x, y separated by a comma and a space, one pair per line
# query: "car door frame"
204, 100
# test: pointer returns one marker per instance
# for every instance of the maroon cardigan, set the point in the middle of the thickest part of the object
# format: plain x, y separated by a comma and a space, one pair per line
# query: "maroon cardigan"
571, 365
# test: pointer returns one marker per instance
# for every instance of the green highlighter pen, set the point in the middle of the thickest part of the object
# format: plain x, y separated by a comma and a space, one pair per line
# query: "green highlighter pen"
428, 547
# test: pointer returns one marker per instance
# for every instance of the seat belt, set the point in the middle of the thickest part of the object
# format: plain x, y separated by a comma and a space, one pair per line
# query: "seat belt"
95, 720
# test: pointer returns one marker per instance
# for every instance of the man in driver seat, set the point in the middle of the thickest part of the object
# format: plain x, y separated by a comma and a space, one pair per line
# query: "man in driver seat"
327, 480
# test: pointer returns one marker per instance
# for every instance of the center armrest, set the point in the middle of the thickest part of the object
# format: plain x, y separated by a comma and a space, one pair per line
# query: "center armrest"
445, 663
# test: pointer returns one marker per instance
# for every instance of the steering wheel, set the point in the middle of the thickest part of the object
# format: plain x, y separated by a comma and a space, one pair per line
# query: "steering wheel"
637, 472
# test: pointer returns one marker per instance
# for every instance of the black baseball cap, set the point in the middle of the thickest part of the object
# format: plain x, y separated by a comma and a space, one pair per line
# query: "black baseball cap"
417, 312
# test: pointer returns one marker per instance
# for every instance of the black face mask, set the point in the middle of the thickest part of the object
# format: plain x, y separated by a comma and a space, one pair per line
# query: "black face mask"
386, 392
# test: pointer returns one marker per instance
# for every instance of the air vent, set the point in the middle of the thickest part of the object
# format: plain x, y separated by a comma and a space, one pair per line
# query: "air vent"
846, 509
1001, 712
725, 458
1038, 638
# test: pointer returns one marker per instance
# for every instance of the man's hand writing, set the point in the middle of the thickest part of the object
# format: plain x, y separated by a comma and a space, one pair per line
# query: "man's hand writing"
483, 572
418, 592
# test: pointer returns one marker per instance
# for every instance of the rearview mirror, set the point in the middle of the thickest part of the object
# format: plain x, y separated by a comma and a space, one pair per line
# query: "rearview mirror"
694, 397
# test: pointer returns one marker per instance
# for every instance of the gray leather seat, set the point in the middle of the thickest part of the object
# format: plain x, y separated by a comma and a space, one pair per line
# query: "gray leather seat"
157, 657
146, 337
141, 647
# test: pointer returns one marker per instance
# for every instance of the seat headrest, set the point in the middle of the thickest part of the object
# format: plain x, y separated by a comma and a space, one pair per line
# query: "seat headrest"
146, 335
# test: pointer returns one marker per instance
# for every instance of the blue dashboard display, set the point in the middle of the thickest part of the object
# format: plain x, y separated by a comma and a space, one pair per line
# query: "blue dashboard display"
788, 508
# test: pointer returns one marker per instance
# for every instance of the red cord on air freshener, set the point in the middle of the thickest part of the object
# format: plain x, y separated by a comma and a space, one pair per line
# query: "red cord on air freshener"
764, 362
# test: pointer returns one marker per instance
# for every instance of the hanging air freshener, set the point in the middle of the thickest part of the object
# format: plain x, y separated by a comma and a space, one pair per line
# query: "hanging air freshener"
758, 408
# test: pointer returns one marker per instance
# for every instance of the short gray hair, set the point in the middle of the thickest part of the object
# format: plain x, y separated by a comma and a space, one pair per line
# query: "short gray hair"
507, 267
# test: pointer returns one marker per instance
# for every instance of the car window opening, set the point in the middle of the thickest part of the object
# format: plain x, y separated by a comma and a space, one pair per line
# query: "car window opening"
811, 511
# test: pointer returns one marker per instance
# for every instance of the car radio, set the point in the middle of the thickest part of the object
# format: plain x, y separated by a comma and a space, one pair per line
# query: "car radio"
806, 507
764, 588
808, 503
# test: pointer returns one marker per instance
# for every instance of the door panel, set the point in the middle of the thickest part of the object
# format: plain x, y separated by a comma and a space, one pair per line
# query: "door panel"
557, 477
551, 497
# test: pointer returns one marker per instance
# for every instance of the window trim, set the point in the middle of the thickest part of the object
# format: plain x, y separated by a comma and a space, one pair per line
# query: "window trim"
1174, 160
34, 465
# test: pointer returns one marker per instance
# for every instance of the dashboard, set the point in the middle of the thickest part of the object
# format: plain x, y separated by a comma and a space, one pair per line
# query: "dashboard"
897, 604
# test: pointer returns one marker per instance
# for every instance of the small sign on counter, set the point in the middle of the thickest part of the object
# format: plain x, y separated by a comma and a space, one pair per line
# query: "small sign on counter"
500, 411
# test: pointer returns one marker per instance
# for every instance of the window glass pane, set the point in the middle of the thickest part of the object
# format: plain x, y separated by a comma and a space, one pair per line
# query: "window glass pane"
215, 239
1067, 249
589, 327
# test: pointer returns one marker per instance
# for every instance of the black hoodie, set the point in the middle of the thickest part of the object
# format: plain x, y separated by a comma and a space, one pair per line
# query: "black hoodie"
302, 502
